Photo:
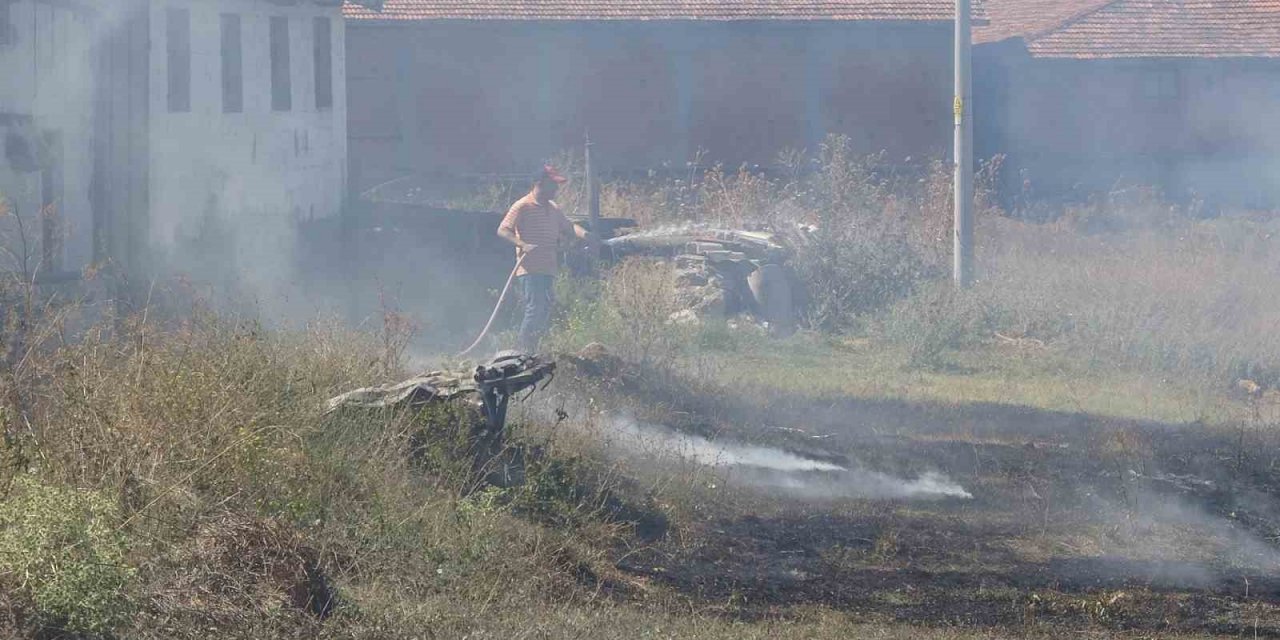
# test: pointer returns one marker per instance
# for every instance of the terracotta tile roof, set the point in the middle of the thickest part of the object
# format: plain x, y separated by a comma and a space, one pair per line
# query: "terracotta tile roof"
1168, 28
713, 10
1140, 28
1024, 18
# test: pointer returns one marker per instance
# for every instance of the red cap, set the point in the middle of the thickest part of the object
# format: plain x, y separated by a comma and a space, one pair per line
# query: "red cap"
550, 173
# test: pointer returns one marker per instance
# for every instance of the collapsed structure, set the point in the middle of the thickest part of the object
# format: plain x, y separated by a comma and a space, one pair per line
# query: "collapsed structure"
721, 272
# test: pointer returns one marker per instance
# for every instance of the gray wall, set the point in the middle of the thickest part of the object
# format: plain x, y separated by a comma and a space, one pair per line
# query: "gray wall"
1193, 127
462, 97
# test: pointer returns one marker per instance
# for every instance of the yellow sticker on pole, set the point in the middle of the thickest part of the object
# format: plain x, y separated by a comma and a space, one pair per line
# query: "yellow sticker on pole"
958, 108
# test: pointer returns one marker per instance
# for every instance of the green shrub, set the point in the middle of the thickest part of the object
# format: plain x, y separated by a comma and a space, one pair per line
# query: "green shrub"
849, 271
442, 441
554, 489
62, 549
937, 320
630, 311
580, 315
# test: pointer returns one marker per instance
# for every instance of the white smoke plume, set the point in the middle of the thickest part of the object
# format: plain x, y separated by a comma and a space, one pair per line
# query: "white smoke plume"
1164, 527
779, 470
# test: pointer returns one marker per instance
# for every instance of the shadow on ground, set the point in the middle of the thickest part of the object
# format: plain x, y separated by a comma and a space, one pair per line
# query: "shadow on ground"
1076, 520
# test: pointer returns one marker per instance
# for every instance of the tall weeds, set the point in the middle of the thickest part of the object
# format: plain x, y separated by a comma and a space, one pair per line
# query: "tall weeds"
1188, 297
1126, 278
167, 473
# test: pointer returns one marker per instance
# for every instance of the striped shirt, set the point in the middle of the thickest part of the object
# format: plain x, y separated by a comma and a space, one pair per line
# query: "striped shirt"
543, 225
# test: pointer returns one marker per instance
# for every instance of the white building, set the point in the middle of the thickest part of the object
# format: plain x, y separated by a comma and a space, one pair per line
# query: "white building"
172, 133
46, 130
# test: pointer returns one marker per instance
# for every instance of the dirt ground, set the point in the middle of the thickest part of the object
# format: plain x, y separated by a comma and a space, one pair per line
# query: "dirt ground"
1075, 522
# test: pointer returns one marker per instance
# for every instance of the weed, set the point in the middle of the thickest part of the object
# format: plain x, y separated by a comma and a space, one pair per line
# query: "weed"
443, 443
886, 545
642, 295
581, 316
630, 311
935, 321
484, 503
64, 551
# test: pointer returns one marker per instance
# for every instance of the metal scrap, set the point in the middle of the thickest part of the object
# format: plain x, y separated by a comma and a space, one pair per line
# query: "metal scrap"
506, 374
489, 389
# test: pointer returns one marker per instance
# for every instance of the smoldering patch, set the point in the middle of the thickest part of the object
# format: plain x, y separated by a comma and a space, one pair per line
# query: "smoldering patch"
775, 469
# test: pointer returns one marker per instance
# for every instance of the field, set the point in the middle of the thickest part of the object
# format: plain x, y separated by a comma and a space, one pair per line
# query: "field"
1077, 521
1082, 444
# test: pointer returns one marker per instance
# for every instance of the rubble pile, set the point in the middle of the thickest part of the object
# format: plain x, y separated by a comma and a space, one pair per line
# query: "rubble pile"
700, 290
720, 273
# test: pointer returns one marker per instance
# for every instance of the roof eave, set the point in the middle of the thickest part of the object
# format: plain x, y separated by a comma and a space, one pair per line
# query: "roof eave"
1153, 57
682, 19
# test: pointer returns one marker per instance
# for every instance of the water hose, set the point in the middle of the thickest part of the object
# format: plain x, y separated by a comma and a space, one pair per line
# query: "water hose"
496, 308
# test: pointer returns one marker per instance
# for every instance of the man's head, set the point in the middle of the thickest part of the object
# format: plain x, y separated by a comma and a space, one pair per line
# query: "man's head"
546, 183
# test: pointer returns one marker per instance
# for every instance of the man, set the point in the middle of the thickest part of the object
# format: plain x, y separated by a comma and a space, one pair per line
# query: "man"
538, 229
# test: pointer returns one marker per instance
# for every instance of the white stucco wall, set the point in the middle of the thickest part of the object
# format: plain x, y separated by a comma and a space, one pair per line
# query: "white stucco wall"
233, 185
45, 73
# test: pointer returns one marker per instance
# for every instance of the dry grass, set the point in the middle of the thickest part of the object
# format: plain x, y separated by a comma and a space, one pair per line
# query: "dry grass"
240, 507
1125, 280
1193, 298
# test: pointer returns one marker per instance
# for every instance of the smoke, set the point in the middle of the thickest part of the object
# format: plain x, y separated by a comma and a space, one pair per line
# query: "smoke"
697, 449
775, 469
1204, 545
864, 483
1214, 146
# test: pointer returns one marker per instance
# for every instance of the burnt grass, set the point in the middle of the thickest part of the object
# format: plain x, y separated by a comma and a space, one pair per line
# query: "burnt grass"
1076, 521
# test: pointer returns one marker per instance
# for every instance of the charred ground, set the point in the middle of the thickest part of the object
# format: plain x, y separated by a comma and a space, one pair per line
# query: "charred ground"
1077, 520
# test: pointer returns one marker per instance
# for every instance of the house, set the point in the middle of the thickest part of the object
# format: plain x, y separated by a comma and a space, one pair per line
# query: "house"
46, 129
155, 131
1083, 95
439, 86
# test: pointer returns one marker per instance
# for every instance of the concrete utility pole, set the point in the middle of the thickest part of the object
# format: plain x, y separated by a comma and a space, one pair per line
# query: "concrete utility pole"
593, 202
963, 108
